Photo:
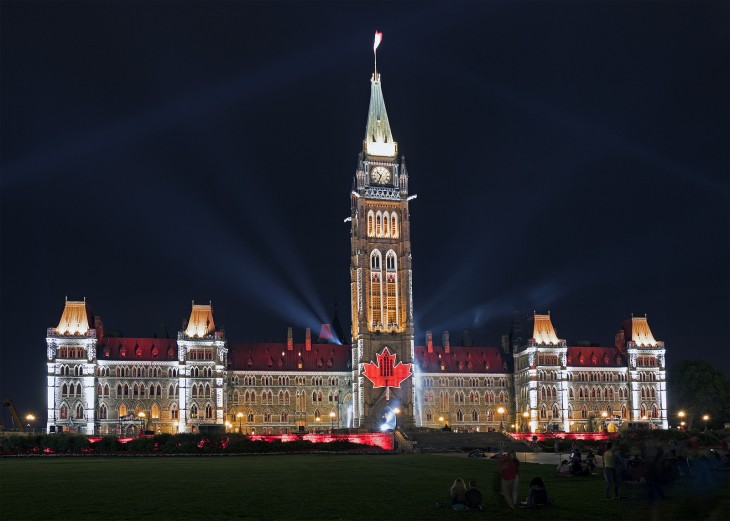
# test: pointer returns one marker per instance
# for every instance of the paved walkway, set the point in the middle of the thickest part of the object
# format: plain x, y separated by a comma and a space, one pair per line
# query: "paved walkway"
543, 458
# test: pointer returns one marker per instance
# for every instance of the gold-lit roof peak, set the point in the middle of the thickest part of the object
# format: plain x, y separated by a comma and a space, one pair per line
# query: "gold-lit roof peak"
201, 322
76, 318
543, 331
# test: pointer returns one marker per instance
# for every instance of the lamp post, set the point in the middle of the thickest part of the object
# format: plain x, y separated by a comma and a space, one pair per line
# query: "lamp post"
681, 415
228, 426
604, 415
705, 417
317, 419
501, 418
141, 415
240, 421
396, 412
332, 421
526, 415
30, 419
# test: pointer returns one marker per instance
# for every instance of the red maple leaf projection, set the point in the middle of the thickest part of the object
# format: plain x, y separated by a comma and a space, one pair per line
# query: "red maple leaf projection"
384, 373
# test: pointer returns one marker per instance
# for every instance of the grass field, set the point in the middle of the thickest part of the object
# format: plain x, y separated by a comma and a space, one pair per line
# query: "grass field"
306, 487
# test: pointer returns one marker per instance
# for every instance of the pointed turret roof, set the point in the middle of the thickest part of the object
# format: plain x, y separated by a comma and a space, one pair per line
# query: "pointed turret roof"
544, 332
201, 321
640, 332
378, 137
76, 319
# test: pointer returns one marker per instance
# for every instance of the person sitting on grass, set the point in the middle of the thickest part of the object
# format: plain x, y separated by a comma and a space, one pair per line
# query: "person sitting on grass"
538, 495
473, 497
563, 469
458, 494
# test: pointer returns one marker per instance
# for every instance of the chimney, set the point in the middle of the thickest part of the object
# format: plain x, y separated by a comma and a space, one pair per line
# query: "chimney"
289, 339
620, 340
429, 341
308, 340
445, 342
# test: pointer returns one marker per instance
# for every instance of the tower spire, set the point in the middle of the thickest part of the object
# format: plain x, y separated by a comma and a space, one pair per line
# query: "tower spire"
378, 137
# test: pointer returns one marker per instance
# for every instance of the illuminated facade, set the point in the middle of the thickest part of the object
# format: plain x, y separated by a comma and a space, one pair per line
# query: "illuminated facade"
584, 388
102, 384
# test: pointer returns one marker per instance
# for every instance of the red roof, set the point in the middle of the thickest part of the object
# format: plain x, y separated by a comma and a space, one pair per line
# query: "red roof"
274, 356
461, 360
130, 349
595, 357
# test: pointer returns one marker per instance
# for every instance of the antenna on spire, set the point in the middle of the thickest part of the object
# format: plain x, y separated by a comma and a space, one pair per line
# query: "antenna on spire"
378, 39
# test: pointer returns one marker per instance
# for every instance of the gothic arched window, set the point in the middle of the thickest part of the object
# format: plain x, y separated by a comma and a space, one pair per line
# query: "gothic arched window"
393, 225
371, 224
391, 289
379, 224
386, 224
376, 289
102, 412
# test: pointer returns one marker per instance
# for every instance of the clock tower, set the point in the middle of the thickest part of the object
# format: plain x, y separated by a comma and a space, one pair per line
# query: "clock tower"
381, 277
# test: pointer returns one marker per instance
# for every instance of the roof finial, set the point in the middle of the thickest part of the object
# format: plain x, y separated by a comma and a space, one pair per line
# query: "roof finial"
378, 39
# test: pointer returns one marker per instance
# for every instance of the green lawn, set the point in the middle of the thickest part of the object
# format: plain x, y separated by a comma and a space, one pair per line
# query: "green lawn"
315, 487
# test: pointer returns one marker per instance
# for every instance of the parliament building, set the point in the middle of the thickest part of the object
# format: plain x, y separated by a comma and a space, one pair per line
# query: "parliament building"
105, 384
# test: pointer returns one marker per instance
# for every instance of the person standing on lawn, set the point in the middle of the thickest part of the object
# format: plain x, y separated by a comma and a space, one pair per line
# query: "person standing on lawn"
609, 471
509, 470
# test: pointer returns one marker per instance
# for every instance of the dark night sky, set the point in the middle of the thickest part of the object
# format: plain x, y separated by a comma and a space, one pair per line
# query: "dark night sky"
567, 156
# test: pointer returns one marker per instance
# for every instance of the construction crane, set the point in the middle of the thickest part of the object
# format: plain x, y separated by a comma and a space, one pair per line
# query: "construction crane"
14, 415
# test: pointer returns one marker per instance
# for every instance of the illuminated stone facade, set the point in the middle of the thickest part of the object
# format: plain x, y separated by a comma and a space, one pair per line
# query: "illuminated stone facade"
102, 384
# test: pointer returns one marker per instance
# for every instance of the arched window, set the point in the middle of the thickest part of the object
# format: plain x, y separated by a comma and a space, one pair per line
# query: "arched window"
99, 390
126, 391
79, 411
174, 412
194, 411
444, 401
459, 415
642, 411
624, 412
63, 412
556, 411
391, 289
64, 390
394, 225
102, 412
207, 391
386, 224
208, 411
474, 415
379, 224
490, 415
122, 410
371, 225
194, 391
584, 412
543, 411
376, 289
155, 411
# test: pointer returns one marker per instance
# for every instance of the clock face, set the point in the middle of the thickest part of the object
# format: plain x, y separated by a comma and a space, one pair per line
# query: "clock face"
380, 175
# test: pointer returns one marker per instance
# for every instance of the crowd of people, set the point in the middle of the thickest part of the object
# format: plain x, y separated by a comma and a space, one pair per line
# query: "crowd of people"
651, 465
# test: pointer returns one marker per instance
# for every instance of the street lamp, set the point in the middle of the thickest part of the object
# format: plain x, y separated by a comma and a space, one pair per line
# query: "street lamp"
141, 415
240, 420
317, 419
396, 411
441, 420
704, 419
30, 419
525, 415
501, 418
332, 421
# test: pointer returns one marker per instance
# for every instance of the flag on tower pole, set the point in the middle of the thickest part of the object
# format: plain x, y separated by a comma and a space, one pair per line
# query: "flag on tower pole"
378, 39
